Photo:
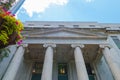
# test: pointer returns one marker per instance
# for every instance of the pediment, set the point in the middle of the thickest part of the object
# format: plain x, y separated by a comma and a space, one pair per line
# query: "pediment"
65, 33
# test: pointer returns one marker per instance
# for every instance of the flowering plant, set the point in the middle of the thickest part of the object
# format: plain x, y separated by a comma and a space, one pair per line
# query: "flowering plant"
6, 5
10, 29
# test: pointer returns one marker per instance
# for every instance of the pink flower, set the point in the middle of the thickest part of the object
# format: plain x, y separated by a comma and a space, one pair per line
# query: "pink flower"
13, 14
17, 22
4, 9
8, 13
19, 42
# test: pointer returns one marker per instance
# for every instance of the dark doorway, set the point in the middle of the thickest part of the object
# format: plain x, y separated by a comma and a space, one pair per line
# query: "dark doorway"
89, 71
36, 76
37, 71
62, 71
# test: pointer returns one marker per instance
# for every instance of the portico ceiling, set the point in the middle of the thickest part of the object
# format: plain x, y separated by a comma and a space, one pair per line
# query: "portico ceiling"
62, 53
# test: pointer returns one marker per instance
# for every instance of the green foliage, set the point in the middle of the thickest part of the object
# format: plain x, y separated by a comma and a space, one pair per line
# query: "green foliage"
4, 37
10, 29
7, 5
4, 53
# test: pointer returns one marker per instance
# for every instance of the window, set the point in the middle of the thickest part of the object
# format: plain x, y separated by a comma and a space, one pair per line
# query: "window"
47, 25
30, 24
62, 69
76, 26
116, 40
37, 67
37, 71
92, 25
61, 26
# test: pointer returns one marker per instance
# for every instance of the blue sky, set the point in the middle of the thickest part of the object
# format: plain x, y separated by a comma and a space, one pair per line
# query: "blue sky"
102, 11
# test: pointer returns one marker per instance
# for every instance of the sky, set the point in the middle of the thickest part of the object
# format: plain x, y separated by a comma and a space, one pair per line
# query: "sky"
102, 11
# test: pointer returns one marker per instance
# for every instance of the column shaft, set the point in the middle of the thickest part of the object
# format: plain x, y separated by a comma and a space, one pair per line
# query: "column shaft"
14, 65
80, 65
48, 64
113, 66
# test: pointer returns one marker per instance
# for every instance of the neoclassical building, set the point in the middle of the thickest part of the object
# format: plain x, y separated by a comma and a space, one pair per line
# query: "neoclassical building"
65, 51
16, 6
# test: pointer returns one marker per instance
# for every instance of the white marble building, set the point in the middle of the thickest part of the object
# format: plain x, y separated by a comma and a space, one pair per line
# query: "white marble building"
16, 6
65, 51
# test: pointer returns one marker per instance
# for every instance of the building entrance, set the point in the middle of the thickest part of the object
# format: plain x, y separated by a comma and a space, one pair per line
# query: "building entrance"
36, 76
62, 71
37, 71
89, 71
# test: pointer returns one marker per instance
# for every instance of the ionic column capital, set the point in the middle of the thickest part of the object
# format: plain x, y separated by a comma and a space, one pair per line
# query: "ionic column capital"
49, 45
25, 45
105, 45
77, 45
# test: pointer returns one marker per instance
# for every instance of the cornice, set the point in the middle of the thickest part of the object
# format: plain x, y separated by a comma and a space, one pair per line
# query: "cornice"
81, 37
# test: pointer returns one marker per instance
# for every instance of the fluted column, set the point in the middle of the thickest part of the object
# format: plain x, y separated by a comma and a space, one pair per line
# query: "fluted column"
14, 65
80, 64
115, 69
48, 62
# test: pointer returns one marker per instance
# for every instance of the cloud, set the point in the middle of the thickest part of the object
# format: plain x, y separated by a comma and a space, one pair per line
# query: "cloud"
20, 11
40, 5
89, 1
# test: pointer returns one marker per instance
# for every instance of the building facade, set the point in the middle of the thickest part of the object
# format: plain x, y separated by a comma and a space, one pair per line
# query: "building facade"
4, 1
65, 51
16, 6
11, 5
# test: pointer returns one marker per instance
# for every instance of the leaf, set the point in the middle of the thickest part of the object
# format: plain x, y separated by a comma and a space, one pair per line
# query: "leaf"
4, 53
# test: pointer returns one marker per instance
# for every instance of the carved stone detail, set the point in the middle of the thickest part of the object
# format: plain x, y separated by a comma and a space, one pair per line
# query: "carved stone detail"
105, 45
49, 44
25, 45
77, 45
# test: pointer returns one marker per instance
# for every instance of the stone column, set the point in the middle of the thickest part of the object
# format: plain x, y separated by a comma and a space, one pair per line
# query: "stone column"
113, 66
55, 71
14, 65
48, 62
80, 64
